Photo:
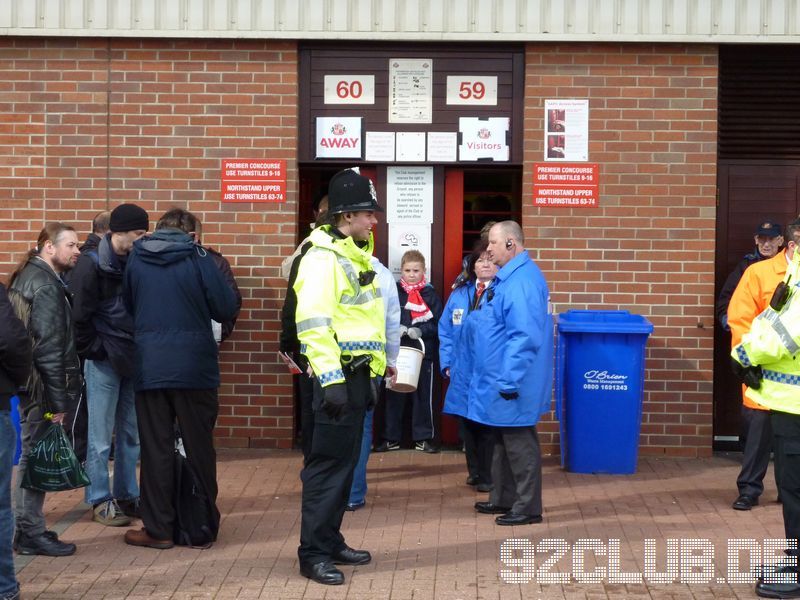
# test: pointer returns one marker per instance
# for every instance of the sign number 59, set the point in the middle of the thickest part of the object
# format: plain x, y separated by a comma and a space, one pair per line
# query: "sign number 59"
480, 90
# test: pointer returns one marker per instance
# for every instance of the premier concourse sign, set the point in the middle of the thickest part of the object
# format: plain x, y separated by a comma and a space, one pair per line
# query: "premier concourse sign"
248, 180
566, 185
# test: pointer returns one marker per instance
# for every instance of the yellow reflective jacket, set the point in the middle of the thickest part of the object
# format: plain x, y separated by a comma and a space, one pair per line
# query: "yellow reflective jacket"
338, 319
773, 343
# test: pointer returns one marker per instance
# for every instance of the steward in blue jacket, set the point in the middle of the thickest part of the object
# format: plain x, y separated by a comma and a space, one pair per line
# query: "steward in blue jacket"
511, 336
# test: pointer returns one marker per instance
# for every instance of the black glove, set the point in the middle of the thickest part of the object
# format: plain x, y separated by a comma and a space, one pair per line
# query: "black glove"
509, 395
334, 399
374, 390
750, 376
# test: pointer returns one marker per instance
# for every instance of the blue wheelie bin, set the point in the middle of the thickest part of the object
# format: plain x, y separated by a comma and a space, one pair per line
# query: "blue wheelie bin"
599, 389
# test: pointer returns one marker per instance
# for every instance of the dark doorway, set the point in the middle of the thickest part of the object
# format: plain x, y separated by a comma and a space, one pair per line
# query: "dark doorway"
758, 171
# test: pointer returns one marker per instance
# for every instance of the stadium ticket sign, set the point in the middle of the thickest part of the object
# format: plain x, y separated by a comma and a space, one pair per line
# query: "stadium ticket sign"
245, 180
566, 185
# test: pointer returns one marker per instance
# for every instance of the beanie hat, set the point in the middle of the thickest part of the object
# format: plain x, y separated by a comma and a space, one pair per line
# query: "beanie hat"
349, 191
129, 217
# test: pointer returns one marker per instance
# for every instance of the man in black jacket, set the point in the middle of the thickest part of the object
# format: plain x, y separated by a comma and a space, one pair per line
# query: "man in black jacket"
42, 303
15, 366
104, 335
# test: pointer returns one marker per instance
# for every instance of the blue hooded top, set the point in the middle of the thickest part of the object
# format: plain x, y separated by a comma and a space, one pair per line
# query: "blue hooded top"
173, 288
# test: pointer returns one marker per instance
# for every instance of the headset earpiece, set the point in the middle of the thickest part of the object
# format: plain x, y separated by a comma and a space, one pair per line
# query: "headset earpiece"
509, 243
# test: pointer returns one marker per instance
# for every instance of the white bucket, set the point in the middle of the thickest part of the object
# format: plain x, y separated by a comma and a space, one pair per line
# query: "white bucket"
409, 363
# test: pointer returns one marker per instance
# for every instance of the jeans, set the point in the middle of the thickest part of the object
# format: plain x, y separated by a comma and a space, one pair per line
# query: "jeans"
8, 442
358, 491
29, 504
112, 411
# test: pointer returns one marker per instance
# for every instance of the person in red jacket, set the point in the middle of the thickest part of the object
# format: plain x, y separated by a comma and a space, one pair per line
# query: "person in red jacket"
749, 299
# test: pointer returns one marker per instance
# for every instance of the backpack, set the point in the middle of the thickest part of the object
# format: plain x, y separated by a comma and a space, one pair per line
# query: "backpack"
196, 517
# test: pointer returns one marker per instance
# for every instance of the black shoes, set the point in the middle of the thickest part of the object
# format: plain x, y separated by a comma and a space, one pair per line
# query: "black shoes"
352, 506
44, 544
487, 508
778, 590
387, 447
472, 480
745, 502
484, 487
349, 556
517, 519
322, 572
426, 446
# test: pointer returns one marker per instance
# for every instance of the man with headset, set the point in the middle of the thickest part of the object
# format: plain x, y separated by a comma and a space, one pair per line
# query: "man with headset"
511, 336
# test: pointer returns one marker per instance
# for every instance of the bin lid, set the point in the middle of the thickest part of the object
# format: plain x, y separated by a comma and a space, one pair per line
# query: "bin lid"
603, 321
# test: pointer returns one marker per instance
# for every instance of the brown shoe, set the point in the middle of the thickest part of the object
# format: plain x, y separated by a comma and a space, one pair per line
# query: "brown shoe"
140, 537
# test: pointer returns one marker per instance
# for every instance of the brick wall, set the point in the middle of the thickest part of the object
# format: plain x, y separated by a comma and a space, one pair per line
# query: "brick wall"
649, 247
87, 124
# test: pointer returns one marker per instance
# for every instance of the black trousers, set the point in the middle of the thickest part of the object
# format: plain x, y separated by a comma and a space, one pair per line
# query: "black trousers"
478, 448
786, 437
328, 472
517, 470
756, 451
157, 410
306, 386
421, 401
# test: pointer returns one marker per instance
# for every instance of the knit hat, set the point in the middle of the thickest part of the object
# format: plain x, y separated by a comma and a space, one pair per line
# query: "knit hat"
349, 191
129, 217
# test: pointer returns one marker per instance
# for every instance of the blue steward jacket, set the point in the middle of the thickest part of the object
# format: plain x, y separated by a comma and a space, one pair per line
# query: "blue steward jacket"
510, 342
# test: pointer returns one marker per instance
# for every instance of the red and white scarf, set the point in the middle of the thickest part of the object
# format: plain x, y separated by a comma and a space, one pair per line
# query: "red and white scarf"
419, 310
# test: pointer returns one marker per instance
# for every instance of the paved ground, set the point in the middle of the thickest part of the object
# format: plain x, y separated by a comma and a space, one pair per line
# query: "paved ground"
427, 541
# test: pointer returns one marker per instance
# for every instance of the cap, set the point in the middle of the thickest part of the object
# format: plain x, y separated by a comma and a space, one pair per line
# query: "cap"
769, 229
349, 191
128, 217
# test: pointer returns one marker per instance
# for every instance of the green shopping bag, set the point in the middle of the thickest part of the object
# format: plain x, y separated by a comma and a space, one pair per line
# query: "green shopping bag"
52, 464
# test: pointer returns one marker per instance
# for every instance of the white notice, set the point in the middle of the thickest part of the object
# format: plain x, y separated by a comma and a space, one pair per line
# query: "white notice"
410, 90
404, 237
442, 146
411, 146
409, 195
380, 146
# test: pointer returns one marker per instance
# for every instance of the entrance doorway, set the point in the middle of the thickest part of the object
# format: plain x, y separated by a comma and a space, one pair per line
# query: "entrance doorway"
467, 200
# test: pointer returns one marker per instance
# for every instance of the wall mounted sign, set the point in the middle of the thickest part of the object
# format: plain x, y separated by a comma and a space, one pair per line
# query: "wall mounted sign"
409, 195
380, 146
478, 90
408, 236
483, 138
338, 137
248, 180
349, 89
410, 90
566, 132
566, 185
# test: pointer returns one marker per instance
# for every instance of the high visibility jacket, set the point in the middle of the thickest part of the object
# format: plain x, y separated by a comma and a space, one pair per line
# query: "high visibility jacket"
337, 318
773, 343
750, 298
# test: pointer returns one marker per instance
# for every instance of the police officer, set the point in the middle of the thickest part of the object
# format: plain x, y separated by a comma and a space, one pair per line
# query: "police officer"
341, 328
766, 361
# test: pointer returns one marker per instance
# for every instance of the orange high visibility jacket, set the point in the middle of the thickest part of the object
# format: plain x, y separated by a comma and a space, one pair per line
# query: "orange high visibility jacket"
751, 297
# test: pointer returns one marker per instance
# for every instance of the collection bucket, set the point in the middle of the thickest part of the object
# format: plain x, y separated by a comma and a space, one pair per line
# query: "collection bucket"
409, 363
